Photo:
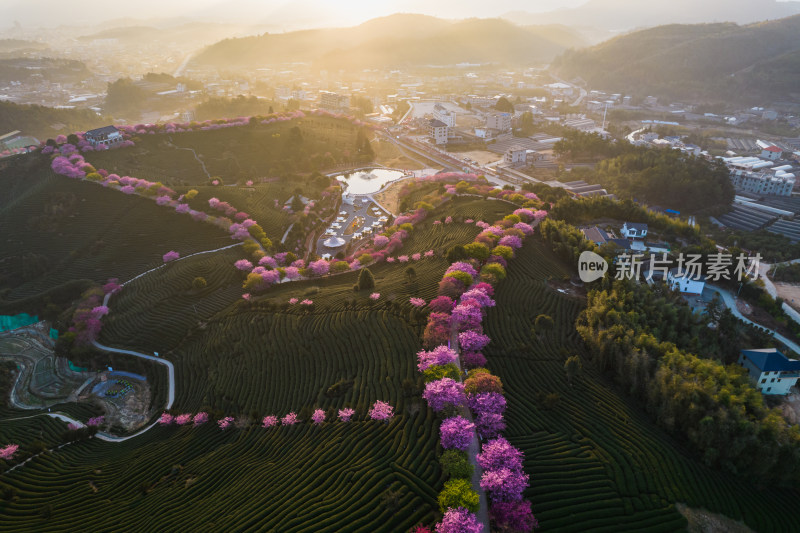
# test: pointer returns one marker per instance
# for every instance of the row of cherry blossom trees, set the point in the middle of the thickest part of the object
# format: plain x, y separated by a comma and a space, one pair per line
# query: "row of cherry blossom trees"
380, 411
465, 293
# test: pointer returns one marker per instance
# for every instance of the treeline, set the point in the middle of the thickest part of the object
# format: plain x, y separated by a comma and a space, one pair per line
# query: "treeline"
646, 338
659, 177
566, 241
667, 178
239, 106
575, 145
39, 121
788, 273
583, 210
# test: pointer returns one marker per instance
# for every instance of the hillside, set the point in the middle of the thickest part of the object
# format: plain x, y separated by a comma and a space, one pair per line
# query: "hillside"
708, 62
45, 122
397, 40
623, 15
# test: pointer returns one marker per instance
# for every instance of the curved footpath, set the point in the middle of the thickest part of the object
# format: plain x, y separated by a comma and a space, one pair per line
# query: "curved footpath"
730, 303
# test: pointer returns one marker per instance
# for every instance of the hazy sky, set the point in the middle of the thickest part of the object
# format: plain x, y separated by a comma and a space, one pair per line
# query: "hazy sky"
282, 12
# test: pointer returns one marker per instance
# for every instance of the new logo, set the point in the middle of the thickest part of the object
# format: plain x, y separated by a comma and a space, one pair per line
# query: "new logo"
591, 267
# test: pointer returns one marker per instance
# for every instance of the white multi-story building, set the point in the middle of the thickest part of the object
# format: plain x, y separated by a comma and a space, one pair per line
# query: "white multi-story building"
438, 131
770, 371
441, 113
499, 121
516, 155
755, 175
333, 101
764, 182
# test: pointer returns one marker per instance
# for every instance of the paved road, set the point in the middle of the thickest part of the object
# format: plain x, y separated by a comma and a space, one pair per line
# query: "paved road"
730, 303
474, 446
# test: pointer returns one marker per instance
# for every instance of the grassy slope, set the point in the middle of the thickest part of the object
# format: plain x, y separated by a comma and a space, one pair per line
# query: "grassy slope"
596, 461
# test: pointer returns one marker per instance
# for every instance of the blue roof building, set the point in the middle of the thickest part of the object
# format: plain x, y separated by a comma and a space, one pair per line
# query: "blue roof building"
770, 371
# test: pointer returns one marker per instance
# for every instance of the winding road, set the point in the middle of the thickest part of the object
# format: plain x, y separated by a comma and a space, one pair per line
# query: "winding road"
730, 303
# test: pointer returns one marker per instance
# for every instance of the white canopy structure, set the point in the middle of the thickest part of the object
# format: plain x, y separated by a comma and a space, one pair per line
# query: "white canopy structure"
334, 242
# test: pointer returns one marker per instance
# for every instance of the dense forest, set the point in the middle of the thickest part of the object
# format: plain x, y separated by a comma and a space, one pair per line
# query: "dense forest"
665, 178
647, 338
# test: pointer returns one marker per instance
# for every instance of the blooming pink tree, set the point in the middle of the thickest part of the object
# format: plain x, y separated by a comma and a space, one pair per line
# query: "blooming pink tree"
293, 301
456, 432
171, 256
513, 516
319, 268
269, 421
95, 421
290, 419
487, 402
504, 484
166, 419
443, 393
200, 418
417, 302
243, 264
346, 414
183, 419
499, 453
225, 423
473, 341
381, 411
459, 521
375, 296
8, 452
318, 417
441, 304
441, 355
490, 425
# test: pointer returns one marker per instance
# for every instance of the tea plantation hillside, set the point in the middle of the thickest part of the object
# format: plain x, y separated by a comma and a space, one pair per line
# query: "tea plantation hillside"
238, 153
596, 461
57, 230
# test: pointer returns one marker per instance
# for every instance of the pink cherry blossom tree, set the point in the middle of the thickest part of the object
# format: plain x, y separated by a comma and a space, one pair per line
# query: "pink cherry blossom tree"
381, 411
318, 417
456, 432
166, 419
225, 423
459, 520
183, 419
171, 256
269, 421
8, 451
290, 419
445, 392
346, 414
200, 418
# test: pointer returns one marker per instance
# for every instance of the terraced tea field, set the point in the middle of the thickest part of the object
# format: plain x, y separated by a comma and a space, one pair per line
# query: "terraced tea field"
290, 479
56, 230
596, 461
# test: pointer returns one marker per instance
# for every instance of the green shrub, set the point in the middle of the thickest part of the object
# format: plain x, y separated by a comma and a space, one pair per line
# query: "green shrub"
458, 493
434, 372
477, 251
455, 464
